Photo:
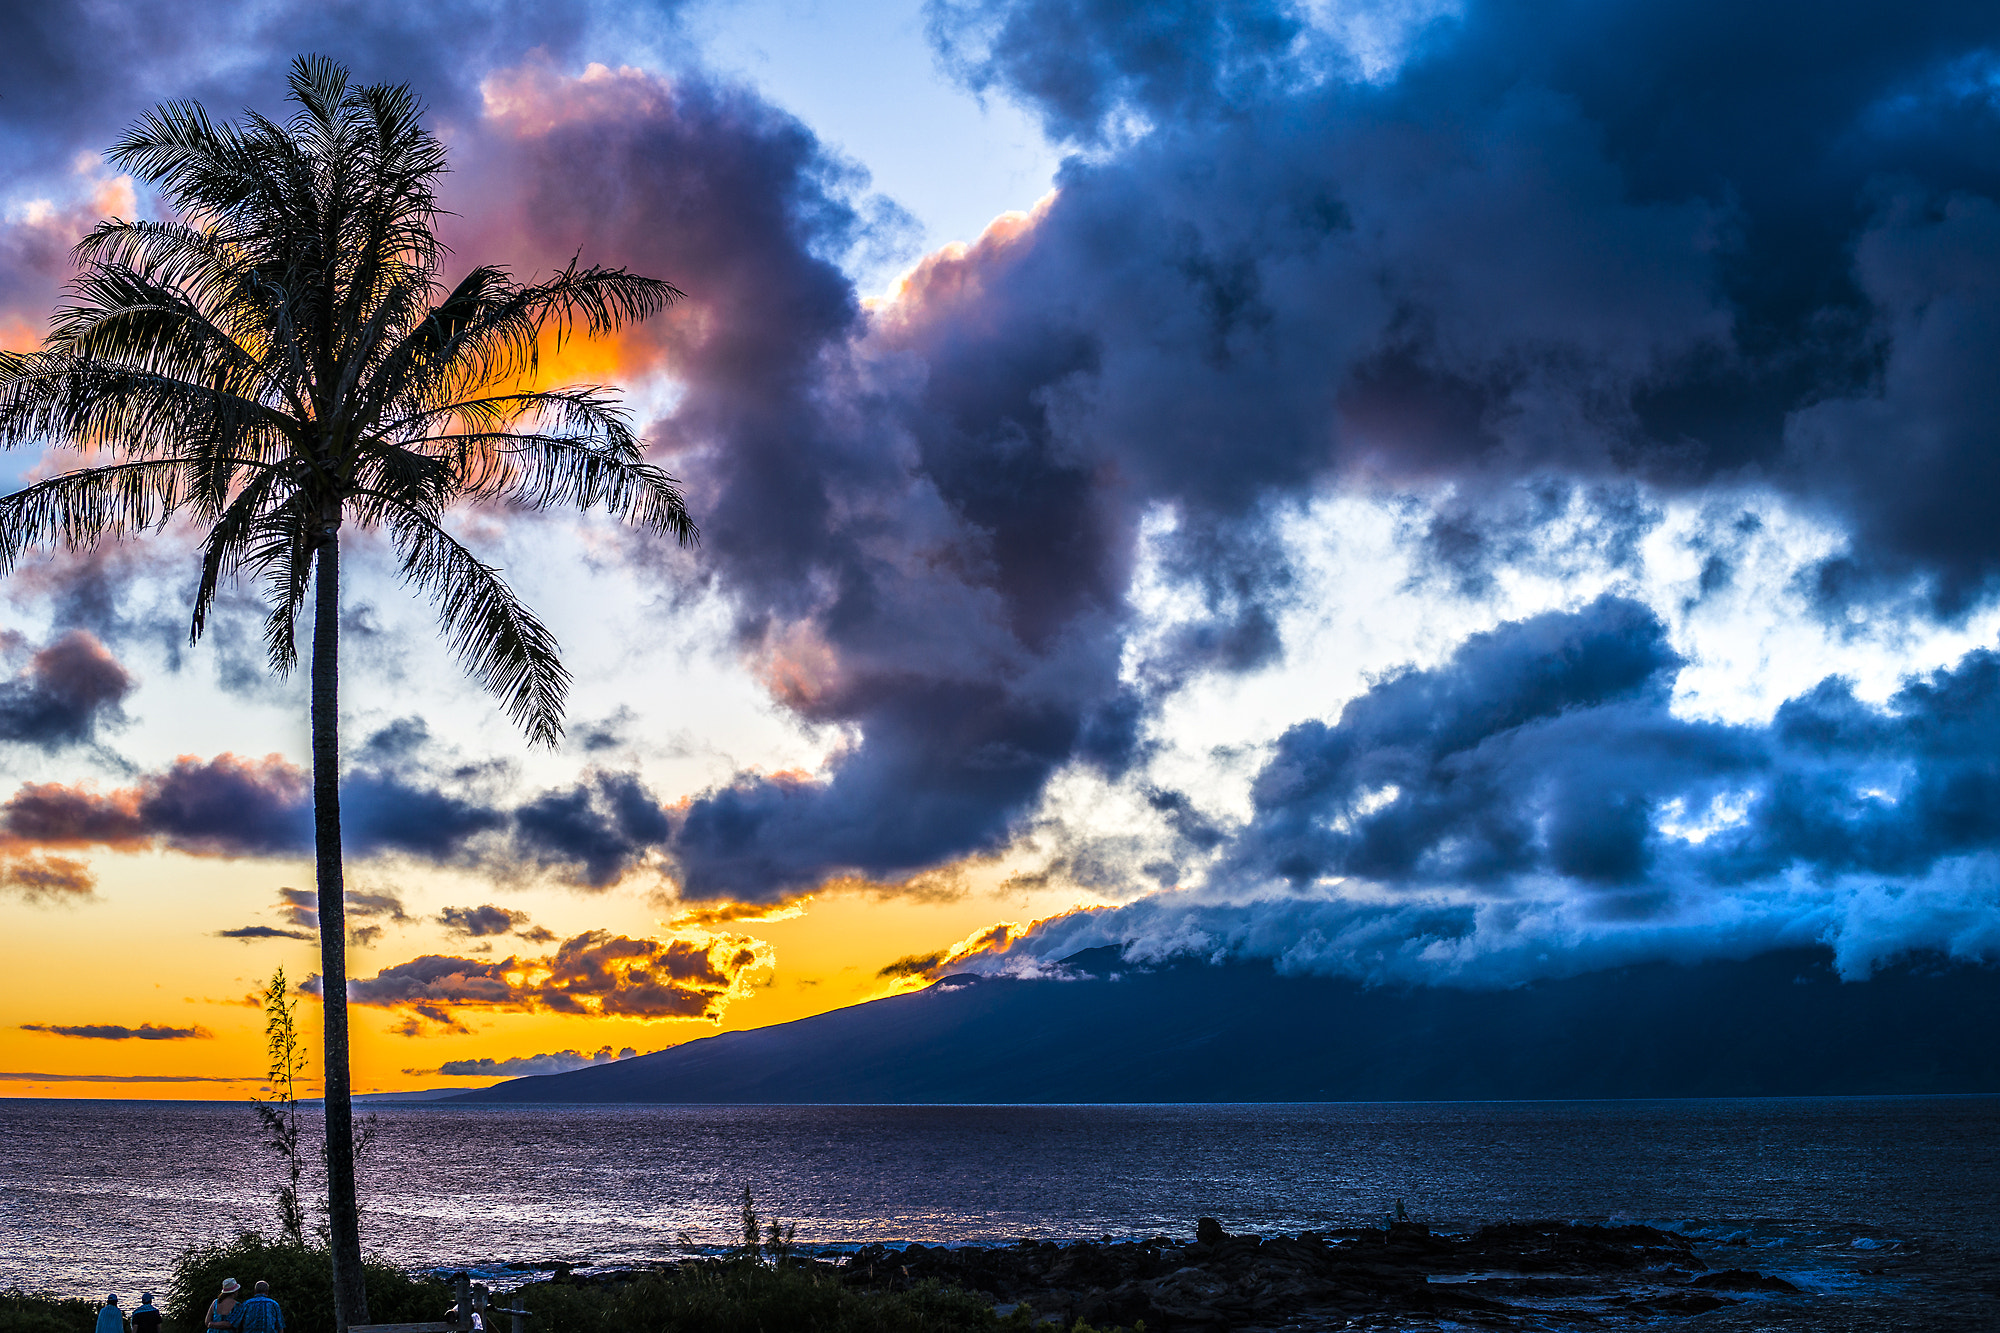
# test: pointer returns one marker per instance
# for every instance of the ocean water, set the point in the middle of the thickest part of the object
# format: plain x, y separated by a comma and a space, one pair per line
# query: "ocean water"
99, 1196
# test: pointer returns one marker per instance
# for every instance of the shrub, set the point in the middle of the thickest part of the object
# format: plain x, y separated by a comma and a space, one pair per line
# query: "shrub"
301, 1278
741, 1294
738, 1296
22, 1313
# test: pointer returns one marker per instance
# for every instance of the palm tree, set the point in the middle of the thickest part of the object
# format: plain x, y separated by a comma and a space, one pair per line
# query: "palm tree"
280, 360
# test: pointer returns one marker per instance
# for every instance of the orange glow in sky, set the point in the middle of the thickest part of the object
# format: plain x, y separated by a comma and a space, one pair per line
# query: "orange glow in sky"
149, 953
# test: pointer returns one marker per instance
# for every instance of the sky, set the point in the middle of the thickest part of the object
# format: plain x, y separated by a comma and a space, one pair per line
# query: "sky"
1436, 493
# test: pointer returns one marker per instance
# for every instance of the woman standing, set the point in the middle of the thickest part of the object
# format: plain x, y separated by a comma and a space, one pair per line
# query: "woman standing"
219, 1308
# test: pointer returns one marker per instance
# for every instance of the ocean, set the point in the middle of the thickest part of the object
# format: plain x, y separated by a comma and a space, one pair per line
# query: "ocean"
99, 1196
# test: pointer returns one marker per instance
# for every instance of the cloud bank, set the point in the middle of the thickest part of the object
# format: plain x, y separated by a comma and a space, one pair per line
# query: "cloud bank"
595, 974
115, 1032
66, 691
522, 1066
1534, 806
1493, 262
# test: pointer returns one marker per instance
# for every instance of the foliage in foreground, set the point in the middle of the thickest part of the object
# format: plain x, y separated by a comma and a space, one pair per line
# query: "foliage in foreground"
301, 1279
22, 1313
744, 1296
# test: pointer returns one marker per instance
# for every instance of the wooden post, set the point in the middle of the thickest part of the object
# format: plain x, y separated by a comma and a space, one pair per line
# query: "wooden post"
463, 1285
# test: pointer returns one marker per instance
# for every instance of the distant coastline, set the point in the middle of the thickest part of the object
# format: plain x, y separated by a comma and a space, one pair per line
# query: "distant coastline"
1781, 1024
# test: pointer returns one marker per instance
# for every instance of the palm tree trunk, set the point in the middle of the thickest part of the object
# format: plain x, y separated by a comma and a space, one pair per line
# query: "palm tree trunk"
350, 1295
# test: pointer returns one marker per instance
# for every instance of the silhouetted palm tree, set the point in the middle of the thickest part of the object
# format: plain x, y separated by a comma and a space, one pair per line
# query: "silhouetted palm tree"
281, 360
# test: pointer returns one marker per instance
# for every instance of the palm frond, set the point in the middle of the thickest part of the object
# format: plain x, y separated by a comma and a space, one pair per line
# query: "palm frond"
602, 299
81, 402
291, 537
541, 471
82, 508
239, 522
501, 643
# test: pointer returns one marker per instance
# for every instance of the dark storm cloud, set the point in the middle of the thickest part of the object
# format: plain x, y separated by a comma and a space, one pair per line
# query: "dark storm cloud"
1910, 463
927, 521
77, 73
597, 831
1541, 747
1532, 807
114, 1032
1525, 275
1567, 258
928, 567
1543, 759
232, 806
266, 933
227, 806
946, 770
384, 812
478, 922
940, 610
487, 920
119, 593
1081, 62
1796, 207
369, 914
66, 691
593, 833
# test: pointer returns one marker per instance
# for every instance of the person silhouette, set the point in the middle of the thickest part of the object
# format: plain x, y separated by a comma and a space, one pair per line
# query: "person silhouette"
259, 1314
220, 1308
110, 1319
146, 1319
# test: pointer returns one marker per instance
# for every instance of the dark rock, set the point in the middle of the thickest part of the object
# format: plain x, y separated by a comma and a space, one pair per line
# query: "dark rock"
1223, 1281
1743, 1279
1683, 1302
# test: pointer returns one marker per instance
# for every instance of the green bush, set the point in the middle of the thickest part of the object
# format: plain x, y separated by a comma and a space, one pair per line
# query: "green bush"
22, 1313
749, 1297
742, 1294
301, 1278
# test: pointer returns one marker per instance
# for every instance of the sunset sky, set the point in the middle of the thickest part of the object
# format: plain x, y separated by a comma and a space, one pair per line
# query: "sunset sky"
1436, 493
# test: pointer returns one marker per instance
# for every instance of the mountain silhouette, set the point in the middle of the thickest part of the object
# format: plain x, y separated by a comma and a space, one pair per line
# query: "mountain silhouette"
1782, 1024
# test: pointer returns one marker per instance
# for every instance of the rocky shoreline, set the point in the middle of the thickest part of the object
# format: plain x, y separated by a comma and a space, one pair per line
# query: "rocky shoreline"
1510, 1275
1498, 1276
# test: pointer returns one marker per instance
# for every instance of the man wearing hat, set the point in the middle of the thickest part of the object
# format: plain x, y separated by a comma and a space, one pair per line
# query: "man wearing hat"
222, 1306
110, 1319
146, 1319
259, 1314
